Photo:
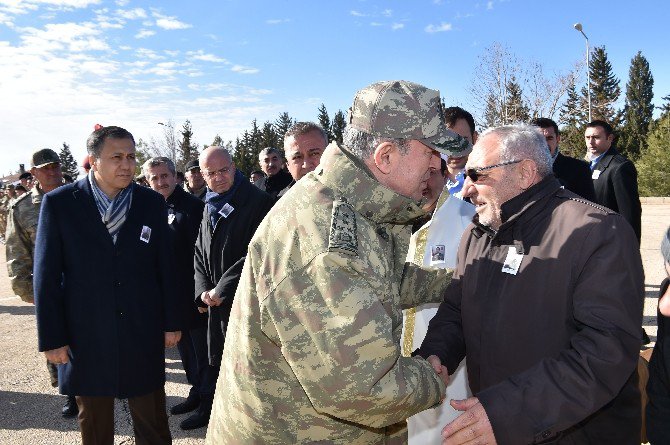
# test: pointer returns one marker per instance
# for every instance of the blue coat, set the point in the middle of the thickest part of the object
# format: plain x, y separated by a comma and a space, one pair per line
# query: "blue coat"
111, 303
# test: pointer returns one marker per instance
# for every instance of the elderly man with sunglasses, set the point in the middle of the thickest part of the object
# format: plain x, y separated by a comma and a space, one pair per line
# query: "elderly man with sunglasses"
546, 300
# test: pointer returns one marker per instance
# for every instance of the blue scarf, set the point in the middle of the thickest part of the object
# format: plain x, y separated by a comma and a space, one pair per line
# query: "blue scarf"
112, 211
216, 201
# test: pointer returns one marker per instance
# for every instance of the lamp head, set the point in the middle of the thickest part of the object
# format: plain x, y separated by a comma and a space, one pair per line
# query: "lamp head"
578, 27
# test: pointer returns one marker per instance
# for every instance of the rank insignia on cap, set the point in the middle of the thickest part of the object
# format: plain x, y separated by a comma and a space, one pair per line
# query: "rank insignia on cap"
343, 229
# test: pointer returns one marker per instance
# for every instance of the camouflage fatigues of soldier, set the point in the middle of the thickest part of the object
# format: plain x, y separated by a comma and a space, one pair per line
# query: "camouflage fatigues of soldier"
20, 241
4, 208
22, 218
312, 353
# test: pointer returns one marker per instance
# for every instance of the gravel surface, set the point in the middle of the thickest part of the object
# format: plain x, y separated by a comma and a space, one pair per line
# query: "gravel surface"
30, 407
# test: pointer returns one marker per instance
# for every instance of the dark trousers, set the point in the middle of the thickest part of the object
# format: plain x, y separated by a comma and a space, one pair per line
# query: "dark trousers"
193, 352
150, 424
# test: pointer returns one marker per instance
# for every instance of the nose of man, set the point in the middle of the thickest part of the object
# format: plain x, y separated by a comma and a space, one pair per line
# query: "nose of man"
468, 188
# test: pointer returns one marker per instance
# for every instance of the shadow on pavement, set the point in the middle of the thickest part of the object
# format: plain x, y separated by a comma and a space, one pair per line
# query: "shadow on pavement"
17, 310
20, 410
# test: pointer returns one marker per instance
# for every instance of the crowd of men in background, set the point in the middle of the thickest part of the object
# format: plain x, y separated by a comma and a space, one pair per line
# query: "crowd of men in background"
188, 250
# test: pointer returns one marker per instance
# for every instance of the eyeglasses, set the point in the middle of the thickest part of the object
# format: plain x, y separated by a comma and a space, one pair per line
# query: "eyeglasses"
473, 173
223, 171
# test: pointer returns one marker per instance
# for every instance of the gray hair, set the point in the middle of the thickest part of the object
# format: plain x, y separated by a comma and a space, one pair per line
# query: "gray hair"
521, 141
665, 246
155, 162
300, 128
362, 144
268, 151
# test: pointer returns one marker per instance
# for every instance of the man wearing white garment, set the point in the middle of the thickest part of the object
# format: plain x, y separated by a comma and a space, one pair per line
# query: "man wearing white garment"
435, 244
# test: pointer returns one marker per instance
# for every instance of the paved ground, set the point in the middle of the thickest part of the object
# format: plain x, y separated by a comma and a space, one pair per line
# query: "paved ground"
30, 408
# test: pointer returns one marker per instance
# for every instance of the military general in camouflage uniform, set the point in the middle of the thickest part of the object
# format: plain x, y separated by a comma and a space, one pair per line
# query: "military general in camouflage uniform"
20, 238
312, 351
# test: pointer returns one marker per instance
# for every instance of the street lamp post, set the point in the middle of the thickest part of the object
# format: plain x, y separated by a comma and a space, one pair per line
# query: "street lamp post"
578, 27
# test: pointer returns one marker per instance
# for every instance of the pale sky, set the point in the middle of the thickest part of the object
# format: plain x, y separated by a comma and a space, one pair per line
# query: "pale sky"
66, 65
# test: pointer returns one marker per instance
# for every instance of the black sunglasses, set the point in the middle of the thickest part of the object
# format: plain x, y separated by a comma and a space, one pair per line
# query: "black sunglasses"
473, 173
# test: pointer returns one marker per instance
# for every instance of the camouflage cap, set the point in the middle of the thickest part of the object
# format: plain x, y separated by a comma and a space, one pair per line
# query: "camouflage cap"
43, 157
404, 110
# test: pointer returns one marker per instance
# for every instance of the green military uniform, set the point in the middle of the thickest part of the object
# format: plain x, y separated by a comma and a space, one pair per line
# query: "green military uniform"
4, 207
312, 352
20, 241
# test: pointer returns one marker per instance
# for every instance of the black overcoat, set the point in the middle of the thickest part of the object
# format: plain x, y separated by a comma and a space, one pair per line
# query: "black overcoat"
220, 254
616, 188
574, 175
110, 303
184, 215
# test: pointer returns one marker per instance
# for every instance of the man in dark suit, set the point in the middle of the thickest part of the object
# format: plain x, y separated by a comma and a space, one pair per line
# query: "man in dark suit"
573, 174
614, 176
234, 209
184, 215
104, 291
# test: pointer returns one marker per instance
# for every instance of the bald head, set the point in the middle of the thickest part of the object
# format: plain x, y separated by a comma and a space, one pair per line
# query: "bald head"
214, 151
217, 168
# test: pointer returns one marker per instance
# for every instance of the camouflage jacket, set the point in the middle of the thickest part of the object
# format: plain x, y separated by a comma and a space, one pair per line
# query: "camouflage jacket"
20, 242
312, 352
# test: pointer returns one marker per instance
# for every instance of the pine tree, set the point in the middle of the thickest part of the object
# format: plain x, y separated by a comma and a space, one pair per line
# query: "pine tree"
605, 90
245, 154
569, 111
255, 144
269, 137
337, 127
187, 149
283, 123
324, 121
217, 142
665, 108
572, 121
653, 166
492, 117
639, 109
515, 107
142, 154
241, 154
68, 164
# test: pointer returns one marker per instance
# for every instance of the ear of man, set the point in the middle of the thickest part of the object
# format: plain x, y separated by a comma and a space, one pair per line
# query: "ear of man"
91, 162
528, 176
384, 158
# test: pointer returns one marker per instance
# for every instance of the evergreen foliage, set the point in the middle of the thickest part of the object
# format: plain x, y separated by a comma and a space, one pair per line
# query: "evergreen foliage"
218, 142
142, 154
572, 120
665, 108
653, 166
337, 127
187, 149
516, 109
283, 123
269, 137
67, 163
638, 109
324, 121
492, 116
605, 89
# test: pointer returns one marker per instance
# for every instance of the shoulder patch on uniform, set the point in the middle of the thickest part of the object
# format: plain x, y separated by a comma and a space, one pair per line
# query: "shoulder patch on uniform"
343, 237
